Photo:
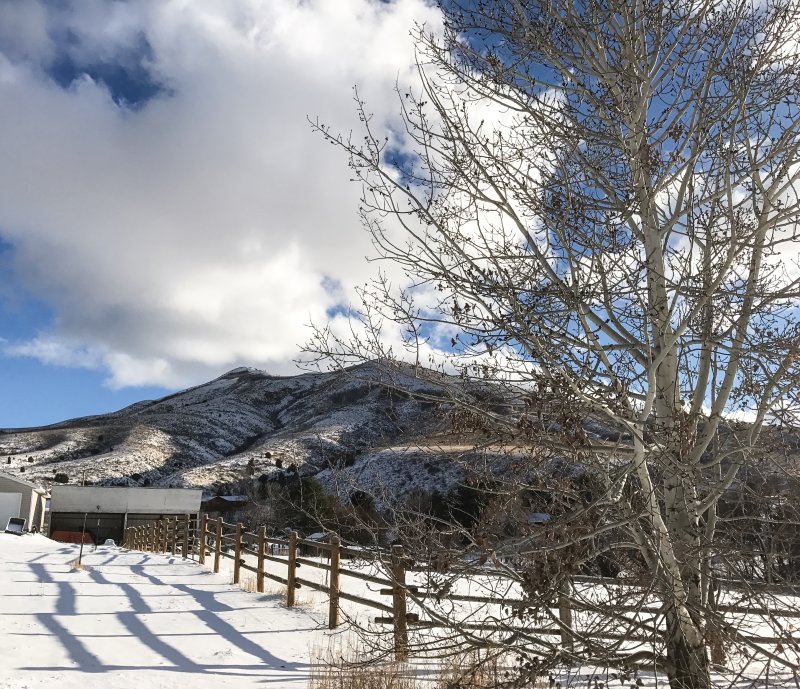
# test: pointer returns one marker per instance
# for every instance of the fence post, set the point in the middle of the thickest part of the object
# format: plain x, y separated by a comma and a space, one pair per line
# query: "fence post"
291, 574
262, 546
333, 605
194, 529
399, 603
201, 549
565, 615
172, 529
193, 525
185, 548
237, 554
218, 545
152, 538
163, 540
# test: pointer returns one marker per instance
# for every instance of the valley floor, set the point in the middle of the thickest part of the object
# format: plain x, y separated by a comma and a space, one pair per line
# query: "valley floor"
141, 620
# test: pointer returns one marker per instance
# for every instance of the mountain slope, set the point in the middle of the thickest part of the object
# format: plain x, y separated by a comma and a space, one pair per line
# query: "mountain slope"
205, 436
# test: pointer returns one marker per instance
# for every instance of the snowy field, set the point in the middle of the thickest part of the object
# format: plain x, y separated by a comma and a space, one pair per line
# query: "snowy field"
132, 619
141, 620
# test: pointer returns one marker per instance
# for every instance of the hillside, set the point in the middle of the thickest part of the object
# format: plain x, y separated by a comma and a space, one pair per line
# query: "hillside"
206, 436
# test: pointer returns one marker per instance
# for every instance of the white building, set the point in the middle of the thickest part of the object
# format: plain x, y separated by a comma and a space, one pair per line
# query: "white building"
23, 499
107, 511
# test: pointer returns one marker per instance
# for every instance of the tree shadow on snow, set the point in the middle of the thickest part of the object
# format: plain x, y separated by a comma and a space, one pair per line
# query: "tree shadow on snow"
65, 605
86, 661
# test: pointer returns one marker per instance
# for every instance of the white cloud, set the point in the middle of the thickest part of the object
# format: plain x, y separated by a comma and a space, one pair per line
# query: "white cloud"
56, 351
203, 230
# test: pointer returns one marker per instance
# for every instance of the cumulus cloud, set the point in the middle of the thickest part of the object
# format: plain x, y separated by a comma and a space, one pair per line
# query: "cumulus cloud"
160, 184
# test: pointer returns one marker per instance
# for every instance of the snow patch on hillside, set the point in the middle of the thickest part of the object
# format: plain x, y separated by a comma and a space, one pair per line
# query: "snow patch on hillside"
205, 436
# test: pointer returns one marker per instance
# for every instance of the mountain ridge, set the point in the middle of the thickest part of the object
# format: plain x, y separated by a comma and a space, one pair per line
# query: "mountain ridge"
205, 436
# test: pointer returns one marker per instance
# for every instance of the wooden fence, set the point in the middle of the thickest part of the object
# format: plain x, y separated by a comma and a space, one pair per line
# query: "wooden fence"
209, 540
213, 539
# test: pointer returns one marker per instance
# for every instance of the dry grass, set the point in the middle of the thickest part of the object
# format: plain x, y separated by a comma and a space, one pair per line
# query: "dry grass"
391, 676
272, 588
248, 584
469, 671
341, 665
76, 566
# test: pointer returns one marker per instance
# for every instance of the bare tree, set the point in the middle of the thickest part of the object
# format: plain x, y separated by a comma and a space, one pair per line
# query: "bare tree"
596, 206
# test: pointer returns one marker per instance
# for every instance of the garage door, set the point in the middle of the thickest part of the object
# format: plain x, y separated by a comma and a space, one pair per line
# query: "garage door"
9, 507
98, 526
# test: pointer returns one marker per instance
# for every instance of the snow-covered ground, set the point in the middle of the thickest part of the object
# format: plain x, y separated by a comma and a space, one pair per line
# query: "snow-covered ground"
131, 619
141, 620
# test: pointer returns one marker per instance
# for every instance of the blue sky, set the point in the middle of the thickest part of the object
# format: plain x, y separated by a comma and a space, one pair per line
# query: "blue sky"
166, 213
34, 392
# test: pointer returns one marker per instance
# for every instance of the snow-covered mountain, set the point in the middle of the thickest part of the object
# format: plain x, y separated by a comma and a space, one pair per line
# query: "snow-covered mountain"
207, 436
347, 428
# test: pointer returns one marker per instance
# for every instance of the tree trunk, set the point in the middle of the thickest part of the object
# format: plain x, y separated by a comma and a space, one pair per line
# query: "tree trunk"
688, 665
